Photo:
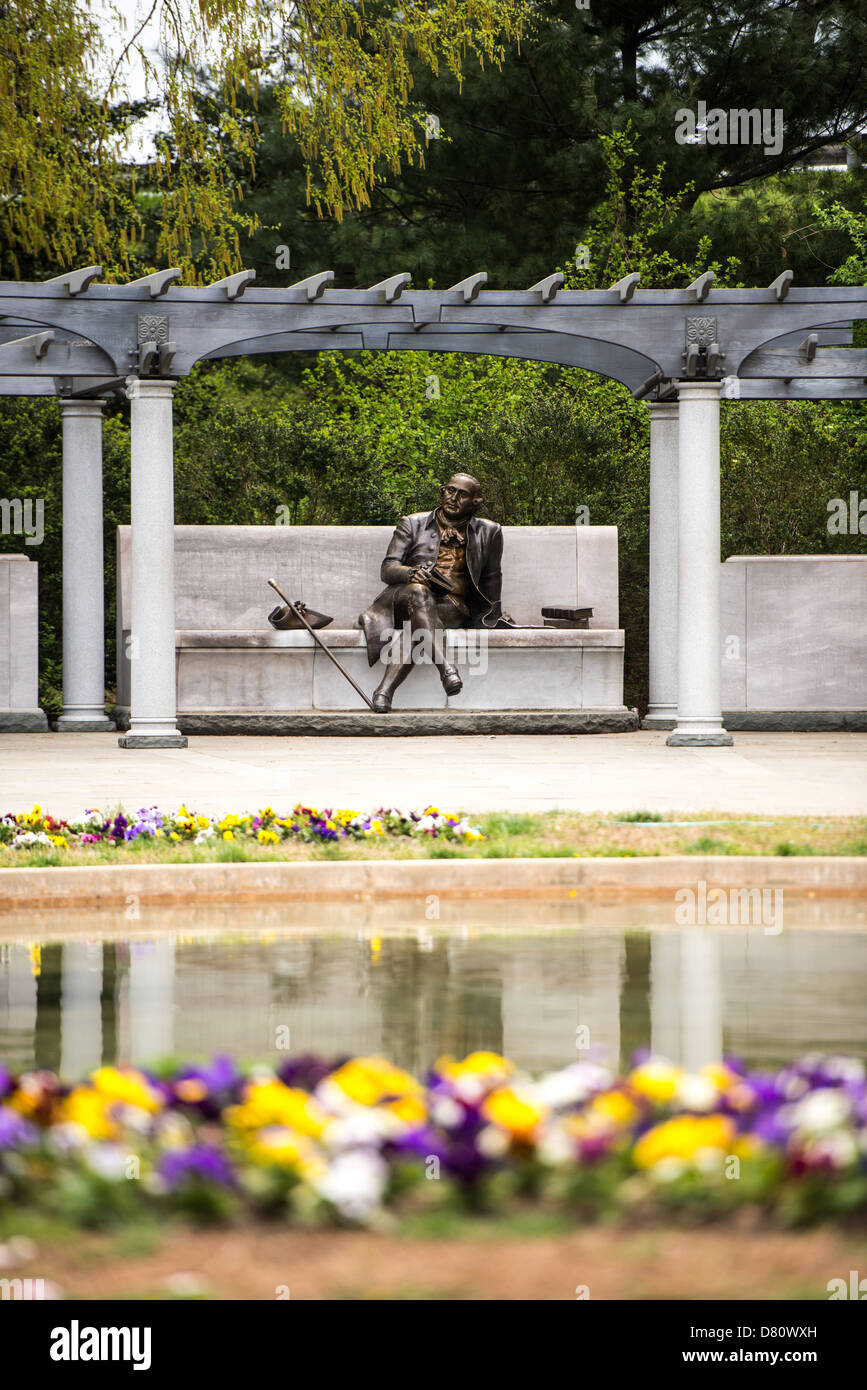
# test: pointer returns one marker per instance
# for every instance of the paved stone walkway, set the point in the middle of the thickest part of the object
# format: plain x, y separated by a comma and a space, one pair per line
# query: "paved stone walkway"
821, 774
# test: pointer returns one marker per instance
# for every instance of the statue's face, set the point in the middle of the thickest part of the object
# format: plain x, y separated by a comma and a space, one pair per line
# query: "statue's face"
460, 497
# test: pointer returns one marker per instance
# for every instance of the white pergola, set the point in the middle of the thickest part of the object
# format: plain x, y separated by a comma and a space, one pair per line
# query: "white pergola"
681, 350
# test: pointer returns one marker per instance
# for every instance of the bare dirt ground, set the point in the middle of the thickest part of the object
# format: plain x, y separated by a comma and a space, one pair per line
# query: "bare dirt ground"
262, 1262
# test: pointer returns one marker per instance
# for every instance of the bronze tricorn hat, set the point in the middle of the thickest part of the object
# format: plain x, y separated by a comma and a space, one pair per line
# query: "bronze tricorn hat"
285, 618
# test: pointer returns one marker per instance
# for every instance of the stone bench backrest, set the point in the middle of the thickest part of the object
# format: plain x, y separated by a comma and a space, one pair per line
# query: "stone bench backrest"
221, 572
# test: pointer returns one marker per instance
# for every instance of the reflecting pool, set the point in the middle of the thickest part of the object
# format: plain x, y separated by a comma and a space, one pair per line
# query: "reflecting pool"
537, 982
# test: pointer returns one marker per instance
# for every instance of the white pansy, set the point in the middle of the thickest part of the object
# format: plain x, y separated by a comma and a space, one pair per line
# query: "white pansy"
492, 1141
839, 1148
67, 1137
555, 1146
708, 1160
106, 1160
668, 1169
364, 1124
845, 1068
355, 1183
697, 1092
572, 1084
470, 1087
446, 1112
820, 1110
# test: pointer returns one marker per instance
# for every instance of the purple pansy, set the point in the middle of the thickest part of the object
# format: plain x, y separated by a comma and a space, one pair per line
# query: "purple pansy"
202, 1161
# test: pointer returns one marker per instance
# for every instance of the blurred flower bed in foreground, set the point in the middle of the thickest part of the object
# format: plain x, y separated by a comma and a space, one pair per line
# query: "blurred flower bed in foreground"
27, 829
358, 1140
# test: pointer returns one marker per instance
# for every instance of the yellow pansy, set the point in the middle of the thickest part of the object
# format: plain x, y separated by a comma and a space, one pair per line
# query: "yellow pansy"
682, 1137
489, 1064
369, 1080
656, 1079
228, 835
266, 837
615, 1106
512, 1113
269, 1102
410, 1109
286, 1148
86, 1107
131, 1087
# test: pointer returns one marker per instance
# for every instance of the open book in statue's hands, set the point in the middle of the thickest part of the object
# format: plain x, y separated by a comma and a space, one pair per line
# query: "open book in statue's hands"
440, 581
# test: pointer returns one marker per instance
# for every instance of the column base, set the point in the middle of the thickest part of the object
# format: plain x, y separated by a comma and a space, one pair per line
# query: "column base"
661, 722
131, 740
689, 738
75, 724
23, 721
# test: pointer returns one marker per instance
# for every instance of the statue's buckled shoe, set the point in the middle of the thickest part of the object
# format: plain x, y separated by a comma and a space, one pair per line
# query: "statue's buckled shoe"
381, 703
451, 679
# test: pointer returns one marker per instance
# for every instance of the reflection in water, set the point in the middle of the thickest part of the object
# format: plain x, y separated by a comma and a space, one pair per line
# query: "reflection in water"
694, 993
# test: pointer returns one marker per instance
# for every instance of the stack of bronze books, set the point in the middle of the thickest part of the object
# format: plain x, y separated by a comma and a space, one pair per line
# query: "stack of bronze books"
567, 617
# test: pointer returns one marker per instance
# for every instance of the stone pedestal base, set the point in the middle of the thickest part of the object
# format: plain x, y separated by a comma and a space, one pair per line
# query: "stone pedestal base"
23, 721
409, 723
152, 741
684, 739
660, 722
69, 724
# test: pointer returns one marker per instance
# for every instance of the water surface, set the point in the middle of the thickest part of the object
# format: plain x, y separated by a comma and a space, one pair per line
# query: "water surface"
536, 981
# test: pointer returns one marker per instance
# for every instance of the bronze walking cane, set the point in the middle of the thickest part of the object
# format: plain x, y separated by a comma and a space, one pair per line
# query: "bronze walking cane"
299, 609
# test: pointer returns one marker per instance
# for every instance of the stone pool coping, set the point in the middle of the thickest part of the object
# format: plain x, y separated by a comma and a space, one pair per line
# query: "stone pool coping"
113, 885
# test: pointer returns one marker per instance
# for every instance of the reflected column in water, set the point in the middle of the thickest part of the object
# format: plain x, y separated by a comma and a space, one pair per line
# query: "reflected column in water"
686, 1008
665, 994
603, 959
701, 987
17, 1007
151, 1000
80, 1009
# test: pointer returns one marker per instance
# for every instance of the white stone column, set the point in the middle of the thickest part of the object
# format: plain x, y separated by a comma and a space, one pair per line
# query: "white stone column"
152, 638
83, 576
699, 716
662, 695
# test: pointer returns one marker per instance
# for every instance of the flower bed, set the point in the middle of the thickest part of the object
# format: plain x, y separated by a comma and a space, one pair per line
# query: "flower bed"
347, 1141
306, 824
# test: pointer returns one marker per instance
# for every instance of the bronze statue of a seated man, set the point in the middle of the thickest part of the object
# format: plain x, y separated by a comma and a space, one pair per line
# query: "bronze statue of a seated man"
442, 569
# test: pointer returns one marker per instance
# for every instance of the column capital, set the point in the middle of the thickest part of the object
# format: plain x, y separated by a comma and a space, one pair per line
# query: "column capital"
699, 390
91, 406
665, 409
152, 387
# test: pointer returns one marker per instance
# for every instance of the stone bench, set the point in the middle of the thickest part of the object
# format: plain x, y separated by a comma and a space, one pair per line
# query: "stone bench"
235, 673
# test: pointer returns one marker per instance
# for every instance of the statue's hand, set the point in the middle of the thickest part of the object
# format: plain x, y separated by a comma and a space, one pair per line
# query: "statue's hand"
419, 575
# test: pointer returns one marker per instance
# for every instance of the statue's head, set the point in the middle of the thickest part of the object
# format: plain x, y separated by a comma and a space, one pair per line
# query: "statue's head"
461, 497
